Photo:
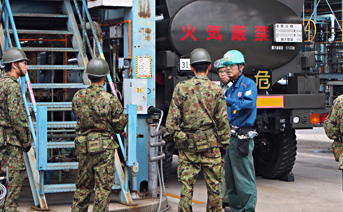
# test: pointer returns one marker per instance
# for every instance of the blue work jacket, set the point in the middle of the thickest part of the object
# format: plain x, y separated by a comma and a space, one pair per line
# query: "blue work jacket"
241, 102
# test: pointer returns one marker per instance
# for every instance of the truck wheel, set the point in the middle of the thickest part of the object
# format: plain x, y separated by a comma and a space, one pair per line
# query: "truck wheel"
275, 154
168, 160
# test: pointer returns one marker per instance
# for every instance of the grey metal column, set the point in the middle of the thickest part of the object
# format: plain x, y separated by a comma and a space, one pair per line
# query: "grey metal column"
152, 175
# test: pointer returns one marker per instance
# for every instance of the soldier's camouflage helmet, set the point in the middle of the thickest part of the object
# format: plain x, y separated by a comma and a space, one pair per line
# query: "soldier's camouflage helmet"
97, 67
218, 64
13, 55
200, 55
233, 57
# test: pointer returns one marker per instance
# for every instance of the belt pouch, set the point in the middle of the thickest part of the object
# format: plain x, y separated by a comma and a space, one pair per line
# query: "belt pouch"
95, 143
243, 146
181, 140
81, 144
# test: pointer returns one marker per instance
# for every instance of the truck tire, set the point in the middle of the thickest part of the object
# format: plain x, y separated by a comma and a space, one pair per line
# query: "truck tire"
275, 154
168, 160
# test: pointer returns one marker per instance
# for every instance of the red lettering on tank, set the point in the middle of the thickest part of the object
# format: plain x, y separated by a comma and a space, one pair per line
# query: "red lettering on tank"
213, 31
238, 32
261, 33
189, 32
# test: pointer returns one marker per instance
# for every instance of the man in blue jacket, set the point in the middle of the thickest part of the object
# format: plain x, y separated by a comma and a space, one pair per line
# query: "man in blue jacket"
241, 107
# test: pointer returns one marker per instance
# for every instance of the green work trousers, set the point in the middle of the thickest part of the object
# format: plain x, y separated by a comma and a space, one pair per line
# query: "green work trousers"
240, 178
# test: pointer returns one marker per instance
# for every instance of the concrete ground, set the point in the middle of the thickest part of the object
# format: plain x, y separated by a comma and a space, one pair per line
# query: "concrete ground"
317, 186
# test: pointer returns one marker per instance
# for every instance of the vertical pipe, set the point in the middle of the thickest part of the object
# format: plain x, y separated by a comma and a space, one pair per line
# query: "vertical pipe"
42, 138
132, 135
315, 11
10, 15
152, 167
41, 181
132, 143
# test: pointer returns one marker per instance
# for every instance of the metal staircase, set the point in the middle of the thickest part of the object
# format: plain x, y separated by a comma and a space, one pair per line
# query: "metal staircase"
50, 40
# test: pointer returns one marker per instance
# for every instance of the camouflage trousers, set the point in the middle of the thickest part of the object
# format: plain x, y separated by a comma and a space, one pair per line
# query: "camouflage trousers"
95, 169
337, 148
189, 165
12, 157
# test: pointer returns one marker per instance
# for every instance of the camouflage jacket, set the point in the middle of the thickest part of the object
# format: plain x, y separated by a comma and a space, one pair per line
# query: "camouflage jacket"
195, 104
13, 118
333, 123
333, 126
97, 111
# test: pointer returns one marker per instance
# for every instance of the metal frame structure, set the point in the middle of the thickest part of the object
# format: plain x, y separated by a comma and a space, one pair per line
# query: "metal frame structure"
325, 37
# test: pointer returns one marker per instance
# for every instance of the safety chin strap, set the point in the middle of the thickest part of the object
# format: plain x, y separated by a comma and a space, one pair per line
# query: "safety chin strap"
21, 72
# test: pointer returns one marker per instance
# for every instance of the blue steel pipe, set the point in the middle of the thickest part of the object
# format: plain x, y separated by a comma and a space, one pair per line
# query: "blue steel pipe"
10, 15
8, 41
84, 33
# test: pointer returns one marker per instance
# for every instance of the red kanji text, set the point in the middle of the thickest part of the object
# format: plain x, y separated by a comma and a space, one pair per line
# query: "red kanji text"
189, 32
213, 31
261, 33
238, 33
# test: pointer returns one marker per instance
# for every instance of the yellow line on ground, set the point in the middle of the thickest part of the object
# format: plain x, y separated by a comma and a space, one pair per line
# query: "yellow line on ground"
178, 197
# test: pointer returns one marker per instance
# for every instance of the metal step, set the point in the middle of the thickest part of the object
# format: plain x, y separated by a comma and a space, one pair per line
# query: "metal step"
55, 67
60, 124
39, 15
48, 49
58, 85
59, 144
62, 165
54, 106
56, 188
40, 32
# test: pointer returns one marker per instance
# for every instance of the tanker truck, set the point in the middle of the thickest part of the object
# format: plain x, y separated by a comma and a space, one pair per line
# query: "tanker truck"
270, 35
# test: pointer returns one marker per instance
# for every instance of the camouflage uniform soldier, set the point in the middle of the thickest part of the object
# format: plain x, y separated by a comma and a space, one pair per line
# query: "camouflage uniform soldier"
99, 116
198, 123
15, 135
333, 126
